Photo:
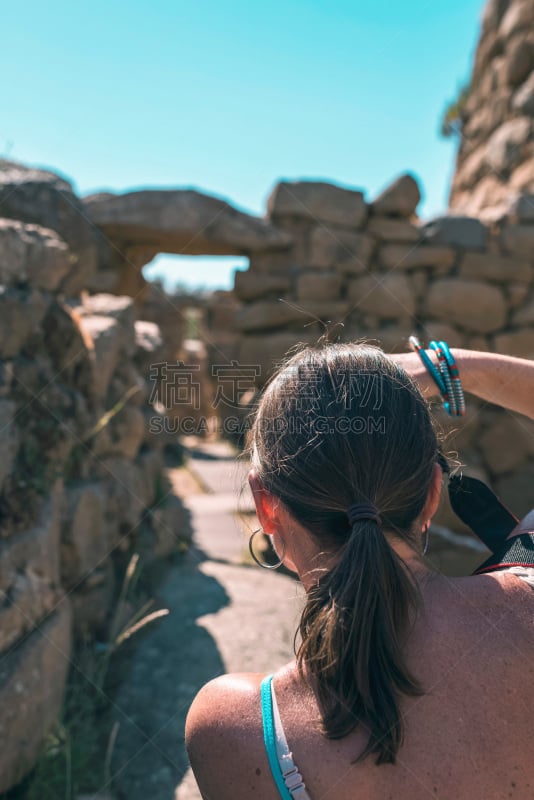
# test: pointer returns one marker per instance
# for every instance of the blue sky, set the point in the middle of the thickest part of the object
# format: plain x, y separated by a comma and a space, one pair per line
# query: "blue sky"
229, 97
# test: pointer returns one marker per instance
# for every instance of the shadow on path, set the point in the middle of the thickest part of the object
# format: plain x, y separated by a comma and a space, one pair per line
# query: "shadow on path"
171, 665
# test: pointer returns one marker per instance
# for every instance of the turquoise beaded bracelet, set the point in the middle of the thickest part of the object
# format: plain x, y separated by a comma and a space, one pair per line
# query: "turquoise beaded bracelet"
446, 375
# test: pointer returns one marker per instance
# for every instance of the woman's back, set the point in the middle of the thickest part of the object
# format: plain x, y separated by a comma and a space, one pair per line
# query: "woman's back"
407, 684
469, 735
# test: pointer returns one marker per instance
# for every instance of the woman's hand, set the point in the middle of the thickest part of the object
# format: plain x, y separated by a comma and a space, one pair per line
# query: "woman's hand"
417, 370
504, 380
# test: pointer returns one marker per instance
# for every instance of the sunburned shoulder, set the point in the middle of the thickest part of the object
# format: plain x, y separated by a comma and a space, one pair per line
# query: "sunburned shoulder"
225, 705
223, 734
220, 699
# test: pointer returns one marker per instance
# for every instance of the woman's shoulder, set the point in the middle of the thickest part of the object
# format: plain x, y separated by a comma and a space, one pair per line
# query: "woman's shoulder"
497, 600
223, 737
222, 702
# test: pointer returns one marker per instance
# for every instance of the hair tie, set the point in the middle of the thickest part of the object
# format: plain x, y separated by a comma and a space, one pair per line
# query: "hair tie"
359, 511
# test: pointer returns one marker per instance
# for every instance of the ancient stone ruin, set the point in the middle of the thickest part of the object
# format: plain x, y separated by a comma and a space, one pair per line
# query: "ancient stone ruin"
82, 480
496, 150
82, 470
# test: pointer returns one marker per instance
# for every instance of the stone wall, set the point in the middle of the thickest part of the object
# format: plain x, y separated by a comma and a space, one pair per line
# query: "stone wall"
374, 270
326, 260
496, 152
81, 478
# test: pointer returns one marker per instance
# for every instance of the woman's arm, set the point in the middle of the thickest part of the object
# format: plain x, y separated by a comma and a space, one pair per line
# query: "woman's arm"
504, 380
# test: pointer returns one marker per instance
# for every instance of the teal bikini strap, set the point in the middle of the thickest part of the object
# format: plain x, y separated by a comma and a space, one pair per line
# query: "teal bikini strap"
269, 737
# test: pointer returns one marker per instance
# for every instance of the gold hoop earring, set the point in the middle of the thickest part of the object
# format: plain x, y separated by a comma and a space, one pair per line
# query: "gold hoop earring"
425, 533
263, 563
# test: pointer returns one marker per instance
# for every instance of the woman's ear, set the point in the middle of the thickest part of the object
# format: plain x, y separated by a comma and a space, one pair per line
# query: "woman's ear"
264, 502
434, 494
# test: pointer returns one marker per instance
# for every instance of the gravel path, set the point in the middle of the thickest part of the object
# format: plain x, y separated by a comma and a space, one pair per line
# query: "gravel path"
225, 616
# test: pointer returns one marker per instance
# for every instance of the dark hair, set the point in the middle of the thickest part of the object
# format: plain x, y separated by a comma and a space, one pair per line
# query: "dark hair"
335, 426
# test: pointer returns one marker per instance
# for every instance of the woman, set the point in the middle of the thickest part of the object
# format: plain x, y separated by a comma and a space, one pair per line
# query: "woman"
406, 683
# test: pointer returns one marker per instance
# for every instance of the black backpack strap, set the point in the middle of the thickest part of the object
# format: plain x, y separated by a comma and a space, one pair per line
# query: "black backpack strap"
516, 552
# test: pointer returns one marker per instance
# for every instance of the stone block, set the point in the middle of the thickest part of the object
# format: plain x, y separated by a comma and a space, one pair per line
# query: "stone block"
159, 432
519, 16
392, 338
521, 177
506, 444
341, 249
523, 97
150, 345
393, 256
524, 315
104, 281
21, 313
220, 311
84, 543
127, 492
521, 208
518, 240
487, 199
492, 15
419, 280
43, 198
495, 267
67, 345
516, 343
319, 286
477, 342
393, 230
180, 221
399, 199
387, 295
461, 432
474, 166
92, 600
9, 437
519, 59
277, 262
152, 466
251, 285
31, 254
517, 292
456, 231
170, 524
37, 548
269, 350
123, 435
109, 342
516, 490
442, 331
120, 308
472, 305
32, 681
503, 150
266, 314
319, 201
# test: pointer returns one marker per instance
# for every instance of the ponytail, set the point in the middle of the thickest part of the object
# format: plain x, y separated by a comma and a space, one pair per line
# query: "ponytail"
357, 617
353, 629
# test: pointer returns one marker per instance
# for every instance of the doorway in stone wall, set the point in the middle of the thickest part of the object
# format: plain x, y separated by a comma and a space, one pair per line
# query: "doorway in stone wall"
191, 299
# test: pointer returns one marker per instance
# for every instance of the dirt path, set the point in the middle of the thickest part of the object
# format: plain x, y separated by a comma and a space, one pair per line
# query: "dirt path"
225, 616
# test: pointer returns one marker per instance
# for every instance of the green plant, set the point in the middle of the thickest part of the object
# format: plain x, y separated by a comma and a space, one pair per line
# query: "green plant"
453, 118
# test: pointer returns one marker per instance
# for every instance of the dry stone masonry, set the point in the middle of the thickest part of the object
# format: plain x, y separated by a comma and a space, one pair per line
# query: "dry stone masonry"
496, 154
328, 261
373, 270
81, 479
